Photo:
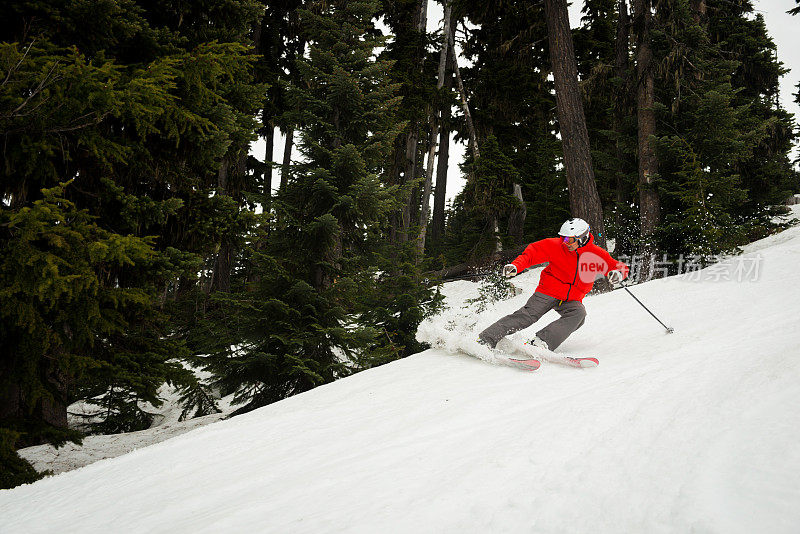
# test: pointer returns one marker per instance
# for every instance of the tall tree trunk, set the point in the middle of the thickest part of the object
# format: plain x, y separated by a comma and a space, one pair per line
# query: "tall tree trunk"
583, 197
434, 123
229, 182
473, 137
285, 167
269, 126
473, 144
408, 180
621, 103
221, 277
395, 218
440, 191
516, 222
54, 410
14, 405
289, 128
287, 158
269, 154
649, 204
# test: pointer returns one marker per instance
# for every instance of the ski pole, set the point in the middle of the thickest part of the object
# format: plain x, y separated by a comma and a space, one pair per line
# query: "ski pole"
669, 329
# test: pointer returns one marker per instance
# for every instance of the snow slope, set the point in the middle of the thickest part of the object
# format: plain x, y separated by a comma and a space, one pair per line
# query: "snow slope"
691, 432
166, 425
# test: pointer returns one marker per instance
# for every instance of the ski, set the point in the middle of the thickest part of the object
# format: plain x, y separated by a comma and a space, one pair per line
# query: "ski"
517, 357
528, 364
540, 353
581, 362
510, 357
508, 354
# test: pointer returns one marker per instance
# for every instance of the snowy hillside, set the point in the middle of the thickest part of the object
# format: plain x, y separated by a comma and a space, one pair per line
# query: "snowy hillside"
166, 425
696, 431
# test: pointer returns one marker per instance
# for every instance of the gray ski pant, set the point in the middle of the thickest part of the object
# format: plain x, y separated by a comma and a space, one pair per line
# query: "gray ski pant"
572, 312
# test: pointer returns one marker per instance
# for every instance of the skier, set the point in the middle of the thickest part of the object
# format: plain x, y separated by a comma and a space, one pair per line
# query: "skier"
574, 264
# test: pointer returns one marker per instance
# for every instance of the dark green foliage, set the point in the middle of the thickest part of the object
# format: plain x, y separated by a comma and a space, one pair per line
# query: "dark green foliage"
416, 79
69, 330
317, 299
487, 194
412, 60
795, 11
135, 111
286, 332
724, 142
196, 397
394, 302
493, 287
609, 106
512, 103
15, 470
546, 193
495, 176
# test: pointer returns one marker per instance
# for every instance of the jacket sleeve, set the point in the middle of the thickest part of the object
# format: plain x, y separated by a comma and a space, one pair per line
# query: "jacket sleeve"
534, 254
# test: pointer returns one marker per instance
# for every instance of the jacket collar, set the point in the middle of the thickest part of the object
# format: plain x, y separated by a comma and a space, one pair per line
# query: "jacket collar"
589, 241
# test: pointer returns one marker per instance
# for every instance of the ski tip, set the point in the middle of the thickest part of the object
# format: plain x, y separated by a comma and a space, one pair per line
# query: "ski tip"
584, 362
527, 364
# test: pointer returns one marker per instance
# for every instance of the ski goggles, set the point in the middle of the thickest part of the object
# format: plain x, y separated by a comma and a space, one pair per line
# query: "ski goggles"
569, 240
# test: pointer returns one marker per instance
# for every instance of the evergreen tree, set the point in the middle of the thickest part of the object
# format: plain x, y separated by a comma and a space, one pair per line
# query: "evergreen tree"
319, 307
795, 11
66, 325
583, 196
766, 174
16, 471
413, 66
488, 194
603, 51
724, 145
137, 112
278, 42
512, 101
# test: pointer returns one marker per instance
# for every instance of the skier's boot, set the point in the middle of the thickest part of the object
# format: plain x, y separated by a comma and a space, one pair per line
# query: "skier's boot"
538, 343
517, 357
507, 346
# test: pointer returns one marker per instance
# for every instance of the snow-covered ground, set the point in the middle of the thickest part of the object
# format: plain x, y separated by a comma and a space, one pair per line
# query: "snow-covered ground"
166, 425
696, 431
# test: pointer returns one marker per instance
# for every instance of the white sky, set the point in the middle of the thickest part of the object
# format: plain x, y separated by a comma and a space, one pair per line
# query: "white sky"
781, 26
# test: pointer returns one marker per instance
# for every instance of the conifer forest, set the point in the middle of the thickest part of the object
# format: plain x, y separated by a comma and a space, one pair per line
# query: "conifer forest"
143, 243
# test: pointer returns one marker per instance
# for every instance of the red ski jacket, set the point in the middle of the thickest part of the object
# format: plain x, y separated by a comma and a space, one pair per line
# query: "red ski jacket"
570, 275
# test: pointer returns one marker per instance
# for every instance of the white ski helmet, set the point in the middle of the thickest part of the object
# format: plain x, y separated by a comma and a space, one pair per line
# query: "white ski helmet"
575, 228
